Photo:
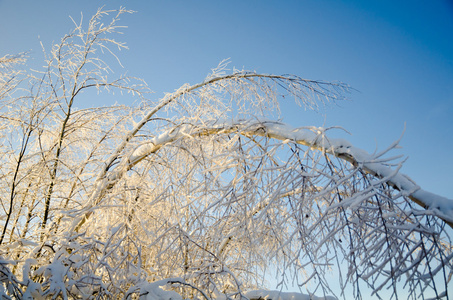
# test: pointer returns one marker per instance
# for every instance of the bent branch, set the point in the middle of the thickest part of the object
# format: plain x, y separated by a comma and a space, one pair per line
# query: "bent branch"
314, 138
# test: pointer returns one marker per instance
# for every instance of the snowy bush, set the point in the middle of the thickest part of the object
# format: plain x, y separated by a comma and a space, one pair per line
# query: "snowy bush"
200, 194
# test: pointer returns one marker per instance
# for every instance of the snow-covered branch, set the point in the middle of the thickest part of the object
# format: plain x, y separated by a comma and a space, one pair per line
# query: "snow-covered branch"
315, 138
200, 194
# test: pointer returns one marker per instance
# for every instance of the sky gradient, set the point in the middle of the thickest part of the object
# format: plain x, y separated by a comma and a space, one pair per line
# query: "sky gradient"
397, 55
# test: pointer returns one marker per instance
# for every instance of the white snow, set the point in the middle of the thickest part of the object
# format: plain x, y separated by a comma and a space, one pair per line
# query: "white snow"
278, 295
312, 137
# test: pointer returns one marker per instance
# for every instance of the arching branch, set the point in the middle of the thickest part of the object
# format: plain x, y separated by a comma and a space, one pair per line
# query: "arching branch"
314, 138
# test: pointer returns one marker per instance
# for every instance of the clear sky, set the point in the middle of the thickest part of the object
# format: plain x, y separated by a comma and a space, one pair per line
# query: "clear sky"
397, 54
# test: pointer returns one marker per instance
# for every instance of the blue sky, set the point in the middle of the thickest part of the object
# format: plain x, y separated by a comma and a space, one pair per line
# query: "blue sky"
397, 54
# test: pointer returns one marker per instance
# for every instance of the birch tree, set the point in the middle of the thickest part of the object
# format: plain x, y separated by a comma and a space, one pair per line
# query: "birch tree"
200, 194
